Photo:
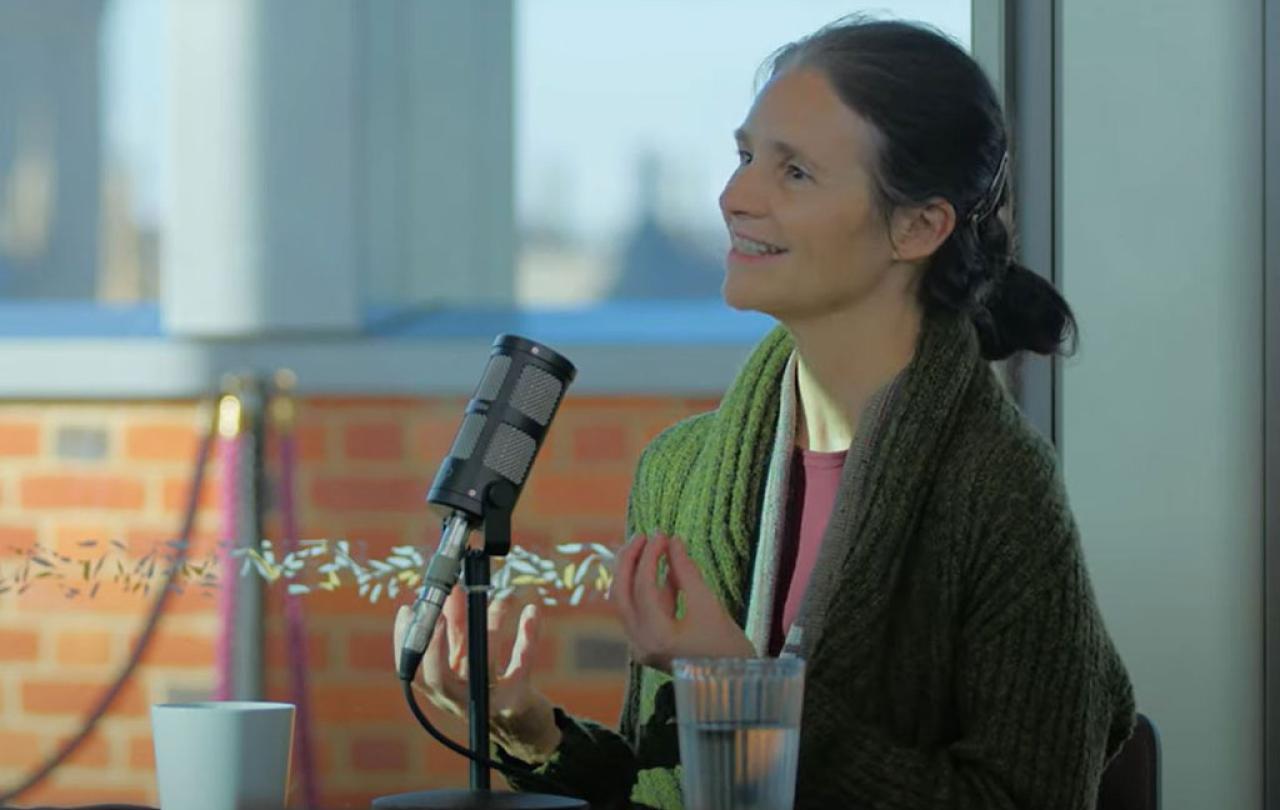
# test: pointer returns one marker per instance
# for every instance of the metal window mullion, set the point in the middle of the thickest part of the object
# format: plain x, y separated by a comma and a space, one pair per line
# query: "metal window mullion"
1271, 398
1033, 96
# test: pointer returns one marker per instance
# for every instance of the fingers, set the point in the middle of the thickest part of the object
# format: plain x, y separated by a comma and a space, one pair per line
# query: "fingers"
440, 679
622, 593
403, 615
454, 614
526, 643
502, 631
655, 604
684, 573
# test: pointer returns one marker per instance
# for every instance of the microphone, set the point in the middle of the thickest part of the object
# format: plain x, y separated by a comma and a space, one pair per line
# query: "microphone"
481, 479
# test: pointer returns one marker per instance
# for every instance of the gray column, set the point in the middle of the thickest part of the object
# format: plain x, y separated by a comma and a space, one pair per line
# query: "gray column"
1162, 250
329, 154
261, 235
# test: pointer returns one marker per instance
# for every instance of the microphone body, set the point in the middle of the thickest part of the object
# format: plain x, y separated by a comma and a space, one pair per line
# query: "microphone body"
441, 574
503, 428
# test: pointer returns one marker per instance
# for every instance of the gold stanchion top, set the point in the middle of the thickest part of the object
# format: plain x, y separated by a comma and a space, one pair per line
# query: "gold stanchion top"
284, 408
230, 416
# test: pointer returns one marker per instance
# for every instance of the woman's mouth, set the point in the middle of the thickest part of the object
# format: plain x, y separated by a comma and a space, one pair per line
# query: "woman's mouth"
747, 249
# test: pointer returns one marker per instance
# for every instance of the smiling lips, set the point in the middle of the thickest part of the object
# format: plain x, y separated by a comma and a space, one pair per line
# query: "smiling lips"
747, 248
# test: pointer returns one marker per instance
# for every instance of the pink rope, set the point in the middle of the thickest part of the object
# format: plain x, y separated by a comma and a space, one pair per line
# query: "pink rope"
295, 631
228, 591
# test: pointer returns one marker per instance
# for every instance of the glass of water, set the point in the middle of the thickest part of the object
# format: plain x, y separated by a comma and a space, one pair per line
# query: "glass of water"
739, 722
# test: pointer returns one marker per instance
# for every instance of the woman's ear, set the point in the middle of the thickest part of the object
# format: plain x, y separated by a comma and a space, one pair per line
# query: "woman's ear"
918, 231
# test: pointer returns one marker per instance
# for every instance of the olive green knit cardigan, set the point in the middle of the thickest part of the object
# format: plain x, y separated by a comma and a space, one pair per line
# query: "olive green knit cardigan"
959, 662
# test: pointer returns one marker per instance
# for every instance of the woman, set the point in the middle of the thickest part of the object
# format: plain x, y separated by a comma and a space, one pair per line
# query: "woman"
867, 495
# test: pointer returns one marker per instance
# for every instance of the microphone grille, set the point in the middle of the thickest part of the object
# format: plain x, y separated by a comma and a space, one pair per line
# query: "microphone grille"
536, 394
510, 453
464, 444
494, 374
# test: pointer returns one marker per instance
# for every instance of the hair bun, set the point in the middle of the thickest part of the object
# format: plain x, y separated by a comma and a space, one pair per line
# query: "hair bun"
1022, 312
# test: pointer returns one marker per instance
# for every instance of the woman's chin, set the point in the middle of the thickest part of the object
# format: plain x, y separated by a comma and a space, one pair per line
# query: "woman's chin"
742, 292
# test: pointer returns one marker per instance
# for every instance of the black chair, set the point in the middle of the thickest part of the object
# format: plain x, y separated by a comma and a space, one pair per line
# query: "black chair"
1132, 780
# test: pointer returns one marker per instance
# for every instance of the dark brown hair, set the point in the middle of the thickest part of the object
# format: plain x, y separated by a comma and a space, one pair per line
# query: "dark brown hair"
941, 134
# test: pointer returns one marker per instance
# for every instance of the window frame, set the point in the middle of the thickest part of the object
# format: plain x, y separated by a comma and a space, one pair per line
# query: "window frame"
99, 363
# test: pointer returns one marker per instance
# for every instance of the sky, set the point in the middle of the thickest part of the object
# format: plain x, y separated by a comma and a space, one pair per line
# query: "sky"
674, 76
598, 84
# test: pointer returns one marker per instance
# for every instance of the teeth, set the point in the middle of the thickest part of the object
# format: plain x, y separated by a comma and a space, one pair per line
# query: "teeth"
752, 247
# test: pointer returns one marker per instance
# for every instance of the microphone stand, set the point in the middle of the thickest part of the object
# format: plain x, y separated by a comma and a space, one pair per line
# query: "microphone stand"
499, 500
475, 574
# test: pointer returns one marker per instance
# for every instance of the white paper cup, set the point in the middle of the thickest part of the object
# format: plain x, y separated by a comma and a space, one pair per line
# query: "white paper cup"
222, 755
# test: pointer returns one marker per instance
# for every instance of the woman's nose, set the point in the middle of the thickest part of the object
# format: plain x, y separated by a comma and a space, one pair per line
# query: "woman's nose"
739, 198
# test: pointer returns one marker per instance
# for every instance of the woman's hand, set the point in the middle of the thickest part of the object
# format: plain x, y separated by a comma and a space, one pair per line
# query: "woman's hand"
647, 608
520, 717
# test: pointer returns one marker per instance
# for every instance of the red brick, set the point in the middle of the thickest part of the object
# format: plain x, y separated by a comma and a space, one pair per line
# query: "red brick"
71, 539
355, 703
81, 492
379, 755
382, 441
596, 443
161, 442
369, 652
277, 651
169, 649
20, 749
694, 405
312, 443
600, 703
142, 754
77, 697
370, 493
433, 437
578, 493
605, 403
649, 430
18, 645
19, 439
370, 403
43, 598
19, 538
177, 490
531, 539
83, 648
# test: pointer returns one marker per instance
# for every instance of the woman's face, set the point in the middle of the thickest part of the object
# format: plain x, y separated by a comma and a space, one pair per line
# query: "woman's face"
808, 238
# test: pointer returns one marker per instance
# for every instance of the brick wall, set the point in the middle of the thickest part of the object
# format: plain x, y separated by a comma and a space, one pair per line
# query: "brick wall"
72, 472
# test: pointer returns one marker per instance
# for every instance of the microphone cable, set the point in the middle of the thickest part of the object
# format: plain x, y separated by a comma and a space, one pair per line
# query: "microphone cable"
521, 770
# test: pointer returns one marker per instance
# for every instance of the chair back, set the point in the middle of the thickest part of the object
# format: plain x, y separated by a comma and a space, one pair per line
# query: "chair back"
1132, 780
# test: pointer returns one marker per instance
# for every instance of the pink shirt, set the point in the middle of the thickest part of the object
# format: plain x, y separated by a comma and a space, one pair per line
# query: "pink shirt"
815, 478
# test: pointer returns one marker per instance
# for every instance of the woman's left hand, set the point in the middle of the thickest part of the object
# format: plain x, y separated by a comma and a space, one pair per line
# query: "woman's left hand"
647, 608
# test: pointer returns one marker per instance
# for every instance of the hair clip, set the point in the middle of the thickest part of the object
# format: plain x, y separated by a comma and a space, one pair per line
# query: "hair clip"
989, 200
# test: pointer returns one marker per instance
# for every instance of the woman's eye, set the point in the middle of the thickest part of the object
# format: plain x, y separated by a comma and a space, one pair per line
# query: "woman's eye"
744, 157
795, 172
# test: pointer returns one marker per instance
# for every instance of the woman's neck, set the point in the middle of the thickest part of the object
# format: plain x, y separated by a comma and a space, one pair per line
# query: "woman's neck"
843, 359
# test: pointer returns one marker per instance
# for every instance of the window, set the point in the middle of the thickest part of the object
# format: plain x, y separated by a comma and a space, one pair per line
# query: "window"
623, 136
80, 147
317, 185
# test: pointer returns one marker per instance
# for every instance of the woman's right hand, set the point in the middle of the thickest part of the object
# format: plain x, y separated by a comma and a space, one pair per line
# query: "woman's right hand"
520, 717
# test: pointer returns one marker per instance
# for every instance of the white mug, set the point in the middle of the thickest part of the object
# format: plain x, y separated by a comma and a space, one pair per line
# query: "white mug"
222, 755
